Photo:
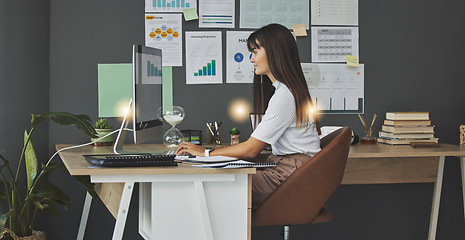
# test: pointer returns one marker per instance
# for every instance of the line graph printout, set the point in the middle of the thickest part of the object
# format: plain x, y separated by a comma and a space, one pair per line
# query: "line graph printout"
169, 5
332, 44
238, 66
164, 31
258, 13
335, 88
204, 58
334, 12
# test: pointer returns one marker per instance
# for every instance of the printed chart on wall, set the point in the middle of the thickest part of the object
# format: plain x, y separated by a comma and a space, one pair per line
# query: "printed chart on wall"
216, 13
169, 5
164, 31
204, 58
334, 12
332, 44
238, 66
258, 13
336, 88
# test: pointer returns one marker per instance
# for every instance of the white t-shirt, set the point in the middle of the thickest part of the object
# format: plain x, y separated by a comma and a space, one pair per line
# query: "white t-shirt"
278, 126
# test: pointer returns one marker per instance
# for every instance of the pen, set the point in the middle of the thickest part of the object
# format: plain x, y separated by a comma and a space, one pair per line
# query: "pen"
208, 126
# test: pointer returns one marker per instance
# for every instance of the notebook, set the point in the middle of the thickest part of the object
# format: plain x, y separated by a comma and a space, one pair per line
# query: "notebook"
237, 164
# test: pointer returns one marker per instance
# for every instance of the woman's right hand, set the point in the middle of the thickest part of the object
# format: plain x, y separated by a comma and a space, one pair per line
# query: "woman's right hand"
189, 148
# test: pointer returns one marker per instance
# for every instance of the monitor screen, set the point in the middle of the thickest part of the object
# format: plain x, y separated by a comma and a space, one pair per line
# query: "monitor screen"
147, 93
146, 99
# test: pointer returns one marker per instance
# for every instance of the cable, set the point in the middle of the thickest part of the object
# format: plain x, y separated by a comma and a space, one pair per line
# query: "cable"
85, 144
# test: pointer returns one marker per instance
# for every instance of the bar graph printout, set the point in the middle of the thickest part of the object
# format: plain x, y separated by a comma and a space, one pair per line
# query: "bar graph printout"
204, 58
164, 31
334, 12
169, 5
216, 13
258, 13
332, 44
335, 88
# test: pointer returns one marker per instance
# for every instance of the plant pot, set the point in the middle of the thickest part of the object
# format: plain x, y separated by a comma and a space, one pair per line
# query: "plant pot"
234, 139
107, 141
36, 235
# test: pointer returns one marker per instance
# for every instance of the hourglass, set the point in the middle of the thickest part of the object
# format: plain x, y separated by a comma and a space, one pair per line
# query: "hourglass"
172, 115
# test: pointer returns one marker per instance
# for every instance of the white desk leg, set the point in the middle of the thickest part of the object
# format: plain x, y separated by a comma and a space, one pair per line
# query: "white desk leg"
84, 216
462, 163
204, 214
123, 211
433, 222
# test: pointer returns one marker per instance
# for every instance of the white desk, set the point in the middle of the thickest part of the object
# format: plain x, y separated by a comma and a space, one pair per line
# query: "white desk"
209, 203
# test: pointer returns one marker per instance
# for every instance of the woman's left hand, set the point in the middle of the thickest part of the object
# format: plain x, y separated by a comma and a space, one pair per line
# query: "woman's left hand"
192, 149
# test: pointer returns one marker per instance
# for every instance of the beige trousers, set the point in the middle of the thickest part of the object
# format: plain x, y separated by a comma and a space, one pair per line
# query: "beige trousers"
266, 180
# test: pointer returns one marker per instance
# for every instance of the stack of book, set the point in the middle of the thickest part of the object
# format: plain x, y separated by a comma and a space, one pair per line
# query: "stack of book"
406, 127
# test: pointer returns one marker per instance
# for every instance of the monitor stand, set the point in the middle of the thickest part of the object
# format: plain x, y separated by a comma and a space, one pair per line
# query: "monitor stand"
118, 146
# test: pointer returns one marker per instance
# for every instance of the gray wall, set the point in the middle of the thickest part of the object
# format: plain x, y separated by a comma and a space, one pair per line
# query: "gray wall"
412, 52
24, 85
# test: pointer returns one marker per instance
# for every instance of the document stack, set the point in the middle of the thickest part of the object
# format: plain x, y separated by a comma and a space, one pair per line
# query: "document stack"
402, 128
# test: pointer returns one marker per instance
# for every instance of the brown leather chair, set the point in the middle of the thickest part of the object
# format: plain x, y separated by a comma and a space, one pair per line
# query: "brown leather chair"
302, 197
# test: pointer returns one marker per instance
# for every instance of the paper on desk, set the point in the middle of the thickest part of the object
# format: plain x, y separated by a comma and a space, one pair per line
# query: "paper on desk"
211, 159
226, 164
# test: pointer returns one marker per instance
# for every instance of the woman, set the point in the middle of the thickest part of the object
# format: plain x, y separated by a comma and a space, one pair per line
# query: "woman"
288, 125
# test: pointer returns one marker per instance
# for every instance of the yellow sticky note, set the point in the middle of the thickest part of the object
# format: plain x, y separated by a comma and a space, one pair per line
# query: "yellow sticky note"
190, 14
352, 61
299, 30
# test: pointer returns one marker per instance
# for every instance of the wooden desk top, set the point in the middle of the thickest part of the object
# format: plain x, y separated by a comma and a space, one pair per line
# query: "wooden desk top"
77, 165
385, 150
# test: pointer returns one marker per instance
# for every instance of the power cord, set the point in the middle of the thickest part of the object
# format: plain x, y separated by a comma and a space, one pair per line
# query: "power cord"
85, 144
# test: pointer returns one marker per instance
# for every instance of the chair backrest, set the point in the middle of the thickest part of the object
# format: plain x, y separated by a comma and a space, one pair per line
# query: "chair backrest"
299, 199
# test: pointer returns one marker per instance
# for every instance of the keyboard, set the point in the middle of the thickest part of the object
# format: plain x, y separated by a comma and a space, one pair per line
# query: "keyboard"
131, 160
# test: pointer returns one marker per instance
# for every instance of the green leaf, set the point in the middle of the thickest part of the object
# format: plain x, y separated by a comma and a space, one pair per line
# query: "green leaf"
90, 187
82, 122
3, 218
51, 166
31, 161
48, 193
3, 183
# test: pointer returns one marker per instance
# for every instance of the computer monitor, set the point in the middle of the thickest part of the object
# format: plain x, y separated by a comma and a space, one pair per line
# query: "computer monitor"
146, 98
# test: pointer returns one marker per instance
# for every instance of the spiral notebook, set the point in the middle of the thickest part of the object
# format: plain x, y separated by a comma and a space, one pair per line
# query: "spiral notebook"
237, 164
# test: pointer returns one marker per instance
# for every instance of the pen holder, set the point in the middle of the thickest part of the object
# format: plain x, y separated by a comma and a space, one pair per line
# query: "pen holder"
368, 139
214, 138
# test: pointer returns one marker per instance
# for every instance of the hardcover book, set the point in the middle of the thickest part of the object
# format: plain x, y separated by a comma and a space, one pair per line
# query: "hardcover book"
407, 115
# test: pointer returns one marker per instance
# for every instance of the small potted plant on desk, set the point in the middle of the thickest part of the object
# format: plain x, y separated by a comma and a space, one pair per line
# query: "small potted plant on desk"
25, 198
103, 127
234, 136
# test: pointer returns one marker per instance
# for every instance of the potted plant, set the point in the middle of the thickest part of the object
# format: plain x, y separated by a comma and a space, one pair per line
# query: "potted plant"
234, 136
103, 127
36, 194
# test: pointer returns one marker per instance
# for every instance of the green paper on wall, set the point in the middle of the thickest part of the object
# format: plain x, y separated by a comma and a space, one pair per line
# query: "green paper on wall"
167, 86
190, 14
114, 88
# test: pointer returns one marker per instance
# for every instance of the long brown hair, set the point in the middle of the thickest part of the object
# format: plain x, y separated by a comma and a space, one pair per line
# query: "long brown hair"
284, 62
